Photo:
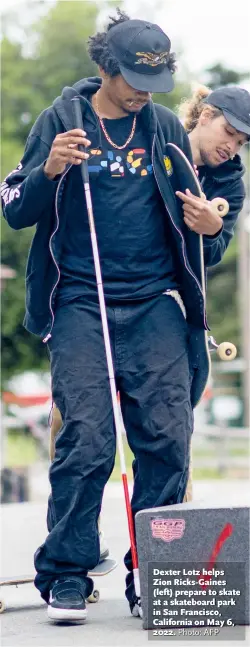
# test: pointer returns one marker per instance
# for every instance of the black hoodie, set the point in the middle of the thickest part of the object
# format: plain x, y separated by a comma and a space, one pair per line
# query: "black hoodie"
224, 181
30, 198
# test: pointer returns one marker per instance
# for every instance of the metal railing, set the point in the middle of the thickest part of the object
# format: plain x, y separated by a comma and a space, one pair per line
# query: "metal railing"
221, 448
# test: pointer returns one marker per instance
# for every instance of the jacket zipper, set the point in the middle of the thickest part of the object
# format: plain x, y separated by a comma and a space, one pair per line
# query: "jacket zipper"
182, 239
48, 336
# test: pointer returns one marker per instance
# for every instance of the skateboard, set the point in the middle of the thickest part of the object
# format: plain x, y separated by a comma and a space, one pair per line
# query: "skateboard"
187, 178
103, 568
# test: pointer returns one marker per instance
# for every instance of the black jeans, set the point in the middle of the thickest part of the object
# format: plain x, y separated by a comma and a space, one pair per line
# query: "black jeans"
149, 347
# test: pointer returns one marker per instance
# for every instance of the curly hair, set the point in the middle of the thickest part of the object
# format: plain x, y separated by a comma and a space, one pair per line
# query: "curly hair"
190, 109
100, 53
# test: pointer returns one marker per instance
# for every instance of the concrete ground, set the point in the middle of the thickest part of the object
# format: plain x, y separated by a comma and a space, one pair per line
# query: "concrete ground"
109, 622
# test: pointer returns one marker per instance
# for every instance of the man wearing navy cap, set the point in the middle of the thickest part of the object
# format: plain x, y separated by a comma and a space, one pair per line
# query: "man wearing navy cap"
234, 102
154, 301
218, 124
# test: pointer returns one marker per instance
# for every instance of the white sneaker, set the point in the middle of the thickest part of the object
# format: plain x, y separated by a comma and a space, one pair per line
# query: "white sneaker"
135, 608
104, 549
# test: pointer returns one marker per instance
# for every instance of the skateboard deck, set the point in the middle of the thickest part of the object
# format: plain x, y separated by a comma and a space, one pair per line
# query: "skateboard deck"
189, 180
100, 570
103, 568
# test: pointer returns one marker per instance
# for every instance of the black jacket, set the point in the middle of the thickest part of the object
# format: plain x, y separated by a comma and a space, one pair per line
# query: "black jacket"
30, 198
224, 181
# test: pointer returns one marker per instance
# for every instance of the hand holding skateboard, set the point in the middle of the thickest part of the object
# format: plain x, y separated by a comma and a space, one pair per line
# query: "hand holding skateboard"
200, 215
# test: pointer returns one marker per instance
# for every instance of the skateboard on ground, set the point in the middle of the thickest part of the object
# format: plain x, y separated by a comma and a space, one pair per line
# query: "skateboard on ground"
187, 178
103, 568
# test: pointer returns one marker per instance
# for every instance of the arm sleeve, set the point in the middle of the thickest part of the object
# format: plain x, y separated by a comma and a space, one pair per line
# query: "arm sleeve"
27, 192
215, 246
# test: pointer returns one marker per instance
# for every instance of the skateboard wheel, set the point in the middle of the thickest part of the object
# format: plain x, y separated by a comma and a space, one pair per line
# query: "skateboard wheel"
2, 606
227, 351
94, 596
220, 206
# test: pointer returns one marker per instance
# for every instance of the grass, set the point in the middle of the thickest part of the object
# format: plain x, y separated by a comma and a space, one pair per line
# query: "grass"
197, 473
213, 451
204, 473
21, 449
116, 474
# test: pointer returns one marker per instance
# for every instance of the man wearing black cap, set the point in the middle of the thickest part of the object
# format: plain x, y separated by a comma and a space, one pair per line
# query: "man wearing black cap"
218, 124
152, 284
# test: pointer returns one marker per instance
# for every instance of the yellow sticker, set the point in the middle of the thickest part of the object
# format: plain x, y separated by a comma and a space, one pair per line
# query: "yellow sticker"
168, 165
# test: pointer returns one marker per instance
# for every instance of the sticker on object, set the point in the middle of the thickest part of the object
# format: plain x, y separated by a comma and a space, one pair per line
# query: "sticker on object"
167, 529
168, 165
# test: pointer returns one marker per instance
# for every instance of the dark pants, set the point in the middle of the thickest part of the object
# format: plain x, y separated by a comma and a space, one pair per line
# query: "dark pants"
149, 347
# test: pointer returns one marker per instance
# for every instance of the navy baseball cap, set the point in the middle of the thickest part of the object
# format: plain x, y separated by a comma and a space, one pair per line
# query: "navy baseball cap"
142, 50
234, 102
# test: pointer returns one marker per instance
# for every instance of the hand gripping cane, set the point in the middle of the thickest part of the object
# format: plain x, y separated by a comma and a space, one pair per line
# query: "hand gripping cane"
118, 427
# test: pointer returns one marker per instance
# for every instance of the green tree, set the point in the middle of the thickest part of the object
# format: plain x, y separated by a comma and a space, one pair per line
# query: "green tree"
61, 56
173, 99
29, 84
31, 79
218, 75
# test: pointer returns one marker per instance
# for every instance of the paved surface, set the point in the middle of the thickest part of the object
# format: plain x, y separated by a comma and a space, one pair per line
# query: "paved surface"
109, 622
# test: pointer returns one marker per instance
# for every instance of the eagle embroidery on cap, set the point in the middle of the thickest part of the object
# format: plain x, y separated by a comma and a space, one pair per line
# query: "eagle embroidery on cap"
152, 59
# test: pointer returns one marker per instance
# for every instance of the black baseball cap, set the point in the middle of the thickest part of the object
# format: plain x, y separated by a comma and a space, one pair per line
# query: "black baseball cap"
235, 105
142, 50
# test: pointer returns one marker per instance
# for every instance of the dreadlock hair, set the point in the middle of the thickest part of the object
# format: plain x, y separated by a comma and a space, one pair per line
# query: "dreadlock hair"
100, 53
190, 109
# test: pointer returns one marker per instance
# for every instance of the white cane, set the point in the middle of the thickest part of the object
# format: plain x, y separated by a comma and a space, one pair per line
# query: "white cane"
118, 427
